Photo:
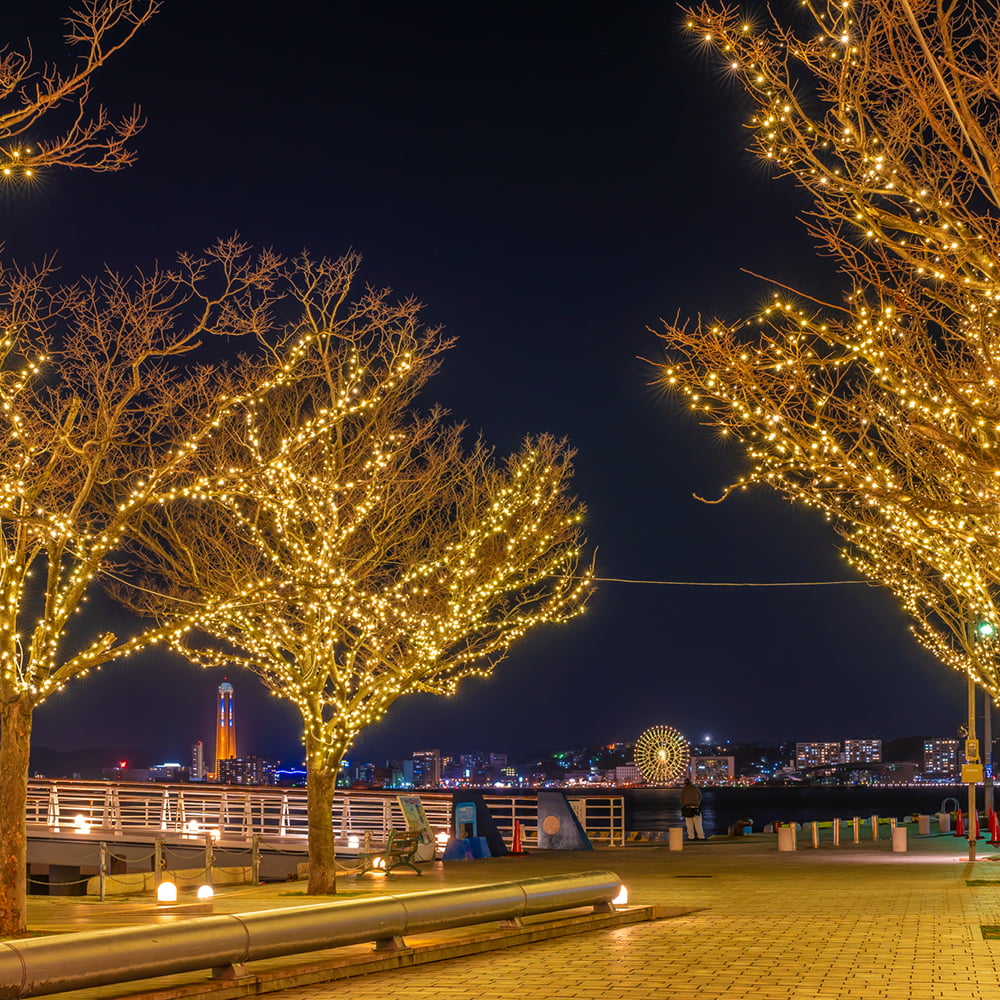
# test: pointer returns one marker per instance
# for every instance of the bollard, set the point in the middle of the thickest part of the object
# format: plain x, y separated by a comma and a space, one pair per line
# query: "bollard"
874, 827
158, 863
924, 825
899, 840
676, 839
892, 824
944, 822
857, 829
815, 833
836, 833
786, 837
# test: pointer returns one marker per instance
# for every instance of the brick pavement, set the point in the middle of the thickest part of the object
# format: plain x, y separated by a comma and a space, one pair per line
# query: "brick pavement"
851, 922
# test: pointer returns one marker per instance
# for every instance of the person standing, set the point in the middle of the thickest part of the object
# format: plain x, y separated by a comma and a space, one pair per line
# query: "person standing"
691, 810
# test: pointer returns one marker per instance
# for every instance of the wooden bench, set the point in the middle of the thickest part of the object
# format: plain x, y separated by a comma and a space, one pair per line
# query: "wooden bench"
399, 851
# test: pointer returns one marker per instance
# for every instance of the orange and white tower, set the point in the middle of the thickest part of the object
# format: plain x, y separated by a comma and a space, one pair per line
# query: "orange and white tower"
225, 732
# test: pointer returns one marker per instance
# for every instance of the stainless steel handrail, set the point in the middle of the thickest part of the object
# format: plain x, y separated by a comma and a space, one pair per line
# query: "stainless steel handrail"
61, 962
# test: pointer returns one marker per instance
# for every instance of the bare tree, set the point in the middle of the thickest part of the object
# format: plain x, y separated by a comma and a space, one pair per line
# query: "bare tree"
98, 413
350, 550
90, 139
881, 411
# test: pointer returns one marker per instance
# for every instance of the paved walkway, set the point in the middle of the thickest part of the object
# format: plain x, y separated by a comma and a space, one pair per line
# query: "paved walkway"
851, 922
856, 921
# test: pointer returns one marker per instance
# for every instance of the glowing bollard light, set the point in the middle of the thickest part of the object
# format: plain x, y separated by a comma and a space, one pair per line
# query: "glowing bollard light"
80, 824
354, 842
166, 892
205, 892
622, 898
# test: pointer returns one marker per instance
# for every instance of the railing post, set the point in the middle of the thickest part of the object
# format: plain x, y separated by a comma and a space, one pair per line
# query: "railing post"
103, 870
209, 858
836, 832
857, 829
875, 827
255, 859
158, 861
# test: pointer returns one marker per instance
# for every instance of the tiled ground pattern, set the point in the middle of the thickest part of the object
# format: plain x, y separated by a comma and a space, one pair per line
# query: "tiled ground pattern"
849, 922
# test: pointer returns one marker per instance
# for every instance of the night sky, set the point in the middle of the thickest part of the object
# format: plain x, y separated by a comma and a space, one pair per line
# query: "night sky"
550, 179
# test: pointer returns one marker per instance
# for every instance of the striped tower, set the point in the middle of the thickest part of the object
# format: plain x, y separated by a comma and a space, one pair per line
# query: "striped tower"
225, 732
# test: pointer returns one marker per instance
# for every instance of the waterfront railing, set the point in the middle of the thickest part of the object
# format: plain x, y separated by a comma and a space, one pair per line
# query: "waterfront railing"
238, 814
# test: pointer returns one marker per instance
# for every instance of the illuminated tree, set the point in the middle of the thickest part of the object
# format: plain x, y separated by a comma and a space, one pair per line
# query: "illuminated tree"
350, 550
98, 415
882, 411
29, 91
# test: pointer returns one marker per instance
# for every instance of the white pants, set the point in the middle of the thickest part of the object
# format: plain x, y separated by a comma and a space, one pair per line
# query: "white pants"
694, 827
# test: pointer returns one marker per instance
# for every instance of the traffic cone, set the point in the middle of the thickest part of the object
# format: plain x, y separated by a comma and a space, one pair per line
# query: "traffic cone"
959, 825
515, 847
994, 829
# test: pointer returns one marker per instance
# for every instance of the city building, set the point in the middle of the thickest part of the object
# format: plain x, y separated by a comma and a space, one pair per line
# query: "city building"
401, 774
862, 751
172, 771
628, 774
816, 754
426, 768
713, 770
198, 761
941, 761
225, 728
246, 771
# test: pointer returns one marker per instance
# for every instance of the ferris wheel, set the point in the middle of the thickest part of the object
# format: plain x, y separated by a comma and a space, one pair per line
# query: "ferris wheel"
661, 754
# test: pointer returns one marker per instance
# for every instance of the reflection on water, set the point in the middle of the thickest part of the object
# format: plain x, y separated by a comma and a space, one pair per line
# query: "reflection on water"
659, 808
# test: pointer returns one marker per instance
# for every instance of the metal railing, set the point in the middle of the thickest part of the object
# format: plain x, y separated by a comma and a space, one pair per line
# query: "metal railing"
191, 810
601, 816
279, 814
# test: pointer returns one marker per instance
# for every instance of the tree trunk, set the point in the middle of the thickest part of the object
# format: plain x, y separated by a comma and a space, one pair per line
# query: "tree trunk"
323, 768
15, 746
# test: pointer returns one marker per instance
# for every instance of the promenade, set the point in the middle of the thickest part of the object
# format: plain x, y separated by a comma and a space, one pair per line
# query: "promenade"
855, 921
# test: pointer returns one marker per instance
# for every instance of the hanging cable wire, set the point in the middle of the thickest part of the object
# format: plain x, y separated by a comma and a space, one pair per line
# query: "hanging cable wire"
705, 583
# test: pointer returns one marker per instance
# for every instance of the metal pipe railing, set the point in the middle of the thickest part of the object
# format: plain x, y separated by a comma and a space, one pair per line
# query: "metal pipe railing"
40, 966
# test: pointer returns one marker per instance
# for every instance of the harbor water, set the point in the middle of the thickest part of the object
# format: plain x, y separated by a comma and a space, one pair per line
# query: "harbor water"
659, 808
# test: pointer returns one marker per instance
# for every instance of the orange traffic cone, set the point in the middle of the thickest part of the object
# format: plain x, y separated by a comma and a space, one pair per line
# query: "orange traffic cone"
960, 825
515, 847
994, 829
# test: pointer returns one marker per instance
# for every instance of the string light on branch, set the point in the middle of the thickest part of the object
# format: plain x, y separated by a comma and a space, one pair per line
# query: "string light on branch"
878, 411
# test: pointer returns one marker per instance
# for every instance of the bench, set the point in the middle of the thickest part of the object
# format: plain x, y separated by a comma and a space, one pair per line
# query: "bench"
399, 851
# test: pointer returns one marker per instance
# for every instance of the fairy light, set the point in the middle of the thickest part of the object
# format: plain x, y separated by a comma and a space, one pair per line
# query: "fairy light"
386, 559
879, 412
106, 428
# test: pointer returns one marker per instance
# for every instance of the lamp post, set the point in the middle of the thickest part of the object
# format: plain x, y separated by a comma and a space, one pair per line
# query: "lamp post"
973, 770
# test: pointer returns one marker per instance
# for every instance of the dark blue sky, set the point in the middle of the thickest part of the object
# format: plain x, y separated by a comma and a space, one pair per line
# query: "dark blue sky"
549, 179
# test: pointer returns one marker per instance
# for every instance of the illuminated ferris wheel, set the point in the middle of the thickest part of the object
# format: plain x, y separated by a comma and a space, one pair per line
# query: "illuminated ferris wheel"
661, 754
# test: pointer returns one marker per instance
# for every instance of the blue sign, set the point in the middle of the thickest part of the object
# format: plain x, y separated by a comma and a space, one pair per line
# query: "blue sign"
465, 820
